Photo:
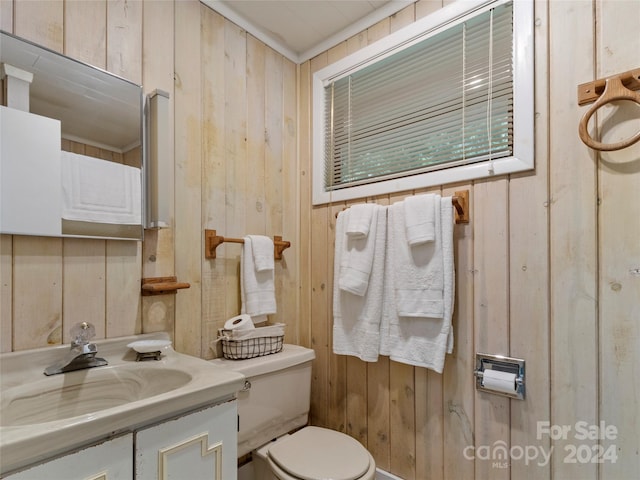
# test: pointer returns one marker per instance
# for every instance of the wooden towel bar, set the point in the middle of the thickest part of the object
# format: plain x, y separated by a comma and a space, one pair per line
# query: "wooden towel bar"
460, 201
212, 240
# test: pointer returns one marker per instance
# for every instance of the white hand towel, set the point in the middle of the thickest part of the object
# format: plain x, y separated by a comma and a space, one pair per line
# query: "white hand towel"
263, 255
358, 257
100, 191
257, 289
418, 273
419, 216
356, 319
416, 341
360, 220
448, 259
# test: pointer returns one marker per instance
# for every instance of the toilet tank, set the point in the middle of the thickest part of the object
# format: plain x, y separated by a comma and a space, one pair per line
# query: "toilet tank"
278, 398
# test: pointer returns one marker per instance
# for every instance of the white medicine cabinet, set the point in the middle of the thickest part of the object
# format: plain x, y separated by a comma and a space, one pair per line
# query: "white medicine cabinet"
80, 131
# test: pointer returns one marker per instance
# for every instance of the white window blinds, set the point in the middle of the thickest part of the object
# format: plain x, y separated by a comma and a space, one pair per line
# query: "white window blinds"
443, 102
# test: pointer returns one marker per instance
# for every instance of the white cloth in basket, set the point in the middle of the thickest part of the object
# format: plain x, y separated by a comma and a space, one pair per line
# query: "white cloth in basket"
274, 330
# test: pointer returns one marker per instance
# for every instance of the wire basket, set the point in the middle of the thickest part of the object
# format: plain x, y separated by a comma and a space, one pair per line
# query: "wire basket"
251, 347
240, 344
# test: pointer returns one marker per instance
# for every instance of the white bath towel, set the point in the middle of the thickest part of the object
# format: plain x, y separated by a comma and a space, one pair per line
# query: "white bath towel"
263, 254
419, 217
420, 341
357, 256
100, 191
356, 319
257, 289
360, 220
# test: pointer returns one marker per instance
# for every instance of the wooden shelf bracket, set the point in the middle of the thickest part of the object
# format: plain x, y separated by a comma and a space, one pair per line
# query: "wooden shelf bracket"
162, 285
213, 240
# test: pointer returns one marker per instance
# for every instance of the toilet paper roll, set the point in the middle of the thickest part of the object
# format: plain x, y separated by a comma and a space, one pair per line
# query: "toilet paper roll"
241, 322
498, 381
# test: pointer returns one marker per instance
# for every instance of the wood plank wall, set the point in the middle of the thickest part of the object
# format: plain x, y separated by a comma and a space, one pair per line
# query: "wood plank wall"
233, 103
249, 167
546, 270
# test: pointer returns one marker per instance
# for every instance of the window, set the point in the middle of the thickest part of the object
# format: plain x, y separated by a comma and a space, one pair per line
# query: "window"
449, 98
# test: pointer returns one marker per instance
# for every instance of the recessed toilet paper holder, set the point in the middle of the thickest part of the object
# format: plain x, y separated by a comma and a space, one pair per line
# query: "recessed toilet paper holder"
509, 366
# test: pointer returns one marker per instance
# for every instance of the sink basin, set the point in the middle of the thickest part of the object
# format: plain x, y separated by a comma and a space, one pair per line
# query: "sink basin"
85, 391
44, 416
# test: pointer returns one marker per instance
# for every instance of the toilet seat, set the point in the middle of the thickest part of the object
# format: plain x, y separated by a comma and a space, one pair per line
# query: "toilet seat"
318, 453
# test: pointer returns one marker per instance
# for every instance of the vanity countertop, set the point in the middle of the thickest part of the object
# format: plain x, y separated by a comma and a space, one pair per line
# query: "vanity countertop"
43, 416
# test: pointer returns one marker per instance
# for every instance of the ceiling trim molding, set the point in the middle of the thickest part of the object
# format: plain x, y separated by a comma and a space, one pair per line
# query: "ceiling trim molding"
254, 30
391, 8
380, 14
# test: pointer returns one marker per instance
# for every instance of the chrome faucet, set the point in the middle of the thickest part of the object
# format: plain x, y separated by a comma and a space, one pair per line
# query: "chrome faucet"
82, 353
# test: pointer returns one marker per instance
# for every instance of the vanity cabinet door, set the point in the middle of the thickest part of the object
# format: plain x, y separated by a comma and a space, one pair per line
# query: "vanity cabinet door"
197, 446
110, 460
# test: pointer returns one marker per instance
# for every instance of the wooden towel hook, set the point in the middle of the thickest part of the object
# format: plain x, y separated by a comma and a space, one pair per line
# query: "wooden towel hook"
212, 240
603, 91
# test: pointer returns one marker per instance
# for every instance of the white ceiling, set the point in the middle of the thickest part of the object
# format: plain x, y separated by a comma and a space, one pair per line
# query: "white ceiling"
301, 29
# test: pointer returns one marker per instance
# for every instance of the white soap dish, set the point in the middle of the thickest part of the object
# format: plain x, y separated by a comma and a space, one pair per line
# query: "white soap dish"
147, 346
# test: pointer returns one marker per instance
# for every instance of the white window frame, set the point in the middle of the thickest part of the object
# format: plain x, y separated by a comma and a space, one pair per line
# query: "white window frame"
453, 14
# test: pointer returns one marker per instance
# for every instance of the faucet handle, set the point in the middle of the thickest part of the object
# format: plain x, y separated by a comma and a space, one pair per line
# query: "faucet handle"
82, 333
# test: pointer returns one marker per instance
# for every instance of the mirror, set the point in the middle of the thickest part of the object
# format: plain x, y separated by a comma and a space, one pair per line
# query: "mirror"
100, 123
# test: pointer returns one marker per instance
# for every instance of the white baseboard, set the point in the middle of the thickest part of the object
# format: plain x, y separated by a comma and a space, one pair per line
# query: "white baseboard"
382, 475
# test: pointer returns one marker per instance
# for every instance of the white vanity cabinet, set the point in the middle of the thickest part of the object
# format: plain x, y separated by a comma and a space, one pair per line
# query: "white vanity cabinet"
197, 446
109, 460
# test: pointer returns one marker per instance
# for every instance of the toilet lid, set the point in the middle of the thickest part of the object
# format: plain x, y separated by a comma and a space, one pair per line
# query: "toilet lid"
318, 453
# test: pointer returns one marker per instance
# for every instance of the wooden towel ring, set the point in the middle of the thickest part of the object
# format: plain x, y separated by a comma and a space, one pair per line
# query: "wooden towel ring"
614, 90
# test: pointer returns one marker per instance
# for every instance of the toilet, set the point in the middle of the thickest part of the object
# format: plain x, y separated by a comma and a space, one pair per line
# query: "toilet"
274, 402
